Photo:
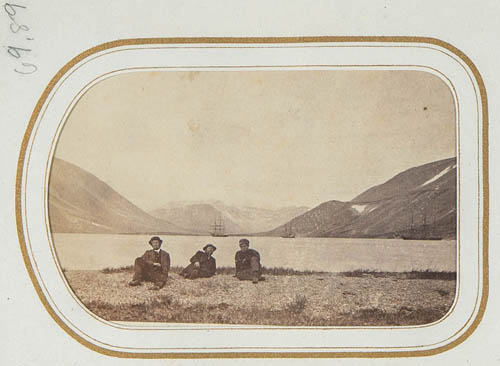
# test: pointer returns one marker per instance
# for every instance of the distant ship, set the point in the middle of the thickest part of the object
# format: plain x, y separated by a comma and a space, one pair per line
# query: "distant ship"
288, 232
218, 229
419, 236
421, 232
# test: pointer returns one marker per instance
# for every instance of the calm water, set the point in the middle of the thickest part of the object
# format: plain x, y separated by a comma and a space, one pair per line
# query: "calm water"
97, 251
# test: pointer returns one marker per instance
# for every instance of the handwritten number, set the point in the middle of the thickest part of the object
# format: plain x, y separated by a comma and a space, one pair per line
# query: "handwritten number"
10, 9
14, 51
17, 52
19, 27
28, 65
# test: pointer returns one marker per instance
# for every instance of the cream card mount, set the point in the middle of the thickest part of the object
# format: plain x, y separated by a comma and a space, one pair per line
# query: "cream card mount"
239, 55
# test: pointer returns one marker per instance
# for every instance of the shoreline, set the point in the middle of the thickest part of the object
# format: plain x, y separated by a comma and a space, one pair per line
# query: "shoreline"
286, 271
262, 235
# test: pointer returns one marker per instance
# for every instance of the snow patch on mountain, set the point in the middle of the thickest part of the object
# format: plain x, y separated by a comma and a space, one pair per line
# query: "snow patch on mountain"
439, 175
359, 208
364, 208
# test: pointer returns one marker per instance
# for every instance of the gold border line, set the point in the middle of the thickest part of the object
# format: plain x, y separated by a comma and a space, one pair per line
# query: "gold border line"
264, 40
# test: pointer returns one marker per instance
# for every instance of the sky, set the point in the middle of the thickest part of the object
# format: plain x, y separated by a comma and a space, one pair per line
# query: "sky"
265, 139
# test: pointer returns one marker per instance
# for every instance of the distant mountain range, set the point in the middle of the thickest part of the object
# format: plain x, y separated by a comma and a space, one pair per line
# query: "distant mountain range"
200, 216
419, 202
79, 202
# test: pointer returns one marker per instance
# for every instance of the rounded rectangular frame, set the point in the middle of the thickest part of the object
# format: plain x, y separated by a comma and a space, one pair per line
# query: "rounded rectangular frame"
88, 68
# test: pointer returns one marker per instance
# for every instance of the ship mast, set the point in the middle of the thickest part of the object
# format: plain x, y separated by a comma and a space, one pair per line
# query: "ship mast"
218, 228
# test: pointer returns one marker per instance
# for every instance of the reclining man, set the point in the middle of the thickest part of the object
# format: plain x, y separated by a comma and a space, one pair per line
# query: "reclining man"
152, 266
247, 263
202, 264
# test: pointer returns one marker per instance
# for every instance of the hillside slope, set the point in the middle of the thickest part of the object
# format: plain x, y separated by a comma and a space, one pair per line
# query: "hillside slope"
418, 202
79, 202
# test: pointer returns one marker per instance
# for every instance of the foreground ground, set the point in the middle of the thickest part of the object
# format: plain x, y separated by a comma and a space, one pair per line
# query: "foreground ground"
284, 298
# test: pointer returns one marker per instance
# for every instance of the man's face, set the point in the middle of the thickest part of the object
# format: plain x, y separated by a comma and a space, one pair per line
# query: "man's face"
244, 247
209, 250
156, 244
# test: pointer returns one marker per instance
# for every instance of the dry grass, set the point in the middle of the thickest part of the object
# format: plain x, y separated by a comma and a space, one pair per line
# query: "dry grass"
275, 271
298, 305
320, 299
411, 275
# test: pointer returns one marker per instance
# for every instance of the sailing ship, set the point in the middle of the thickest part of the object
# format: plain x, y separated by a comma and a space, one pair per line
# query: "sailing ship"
422, 231
288, 232
218, 229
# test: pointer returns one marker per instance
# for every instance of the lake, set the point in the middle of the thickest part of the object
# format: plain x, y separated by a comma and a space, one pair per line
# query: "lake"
97, 251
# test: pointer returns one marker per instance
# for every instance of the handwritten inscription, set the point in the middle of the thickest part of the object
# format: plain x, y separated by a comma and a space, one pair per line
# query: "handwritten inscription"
20, 49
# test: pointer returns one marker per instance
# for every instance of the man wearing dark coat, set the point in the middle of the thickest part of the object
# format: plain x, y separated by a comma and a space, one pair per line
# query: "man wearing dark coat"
247, 263
152, 266
202, 264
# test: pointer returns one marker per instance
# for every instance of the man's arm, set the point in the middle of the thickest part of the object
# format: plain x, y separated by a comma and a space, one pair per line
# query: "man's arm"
197, 257
256, 254
145, 257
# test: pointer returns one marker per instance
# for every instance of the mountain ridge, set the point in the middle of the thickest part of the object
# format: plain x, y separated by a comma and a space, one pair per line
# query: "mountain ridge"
418, 202
201, 216
79, 202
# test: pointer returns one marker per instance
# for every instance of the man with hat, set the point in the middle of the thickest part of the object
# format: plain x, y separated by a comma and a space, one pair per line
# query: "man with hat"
247, 263
202, 264
152, 266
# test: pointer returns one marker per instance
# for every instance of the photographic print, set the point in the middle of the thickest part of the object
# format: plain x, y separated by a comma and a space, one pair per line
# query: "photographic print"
260, 197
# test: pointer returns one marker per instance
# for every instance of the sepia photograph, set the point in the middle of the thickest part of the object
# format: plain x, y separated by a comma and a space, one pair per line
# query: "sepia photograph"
312, 198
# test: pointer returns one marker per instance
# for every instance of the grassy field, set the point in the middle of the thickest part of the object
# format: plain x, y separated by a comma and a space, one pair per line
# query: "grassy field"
286, 297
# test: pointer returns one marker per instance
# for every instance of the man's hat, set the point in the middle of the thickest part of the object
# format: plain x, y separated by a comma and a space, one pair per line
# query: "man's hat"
244, 241
210, 245
155, 238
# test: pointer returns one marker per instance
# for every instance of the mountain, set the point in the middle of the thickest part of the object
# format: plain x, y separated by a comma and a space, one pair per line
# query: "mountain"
419, 202
197, 217
79, 202
200, 216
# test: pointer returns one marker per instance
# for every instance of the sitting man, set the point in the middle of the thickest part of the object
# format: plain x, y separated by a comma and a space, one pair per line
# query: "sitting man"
248, 263
152, 266
202, 264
